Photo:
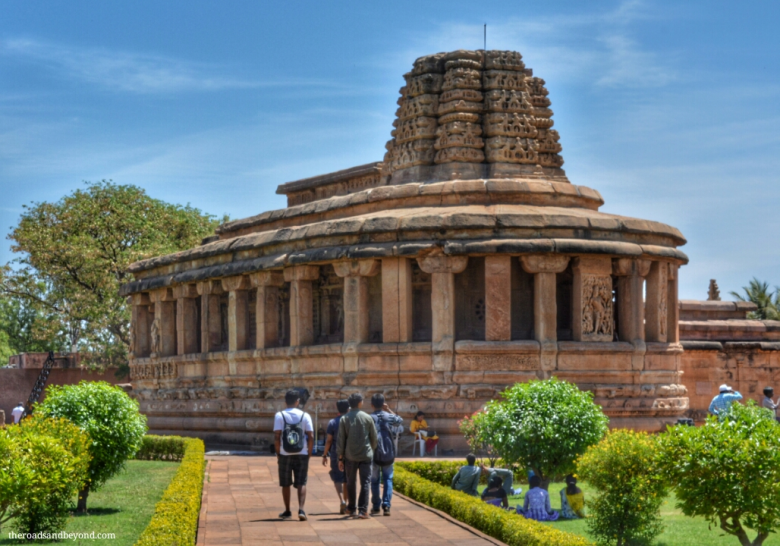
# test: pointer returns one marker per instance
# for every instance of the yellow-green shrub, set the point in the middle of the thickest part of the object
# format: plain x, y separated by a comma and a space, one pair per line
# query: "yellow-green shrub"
161, 448
175, 519
508, 527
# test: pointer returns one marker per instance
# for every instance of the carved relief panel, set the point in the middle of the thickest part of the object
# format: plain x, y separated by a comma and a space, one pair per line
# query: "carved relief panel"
592, 299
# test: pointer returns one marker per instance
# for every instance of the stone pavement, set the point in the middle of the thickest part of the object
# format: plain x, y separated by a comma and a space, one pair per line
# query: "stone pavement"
242, 501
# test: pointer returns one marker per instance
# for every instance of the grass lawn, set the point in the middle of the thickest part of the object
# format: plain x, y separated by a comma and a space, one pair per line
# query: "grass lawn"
680, 530
123, 506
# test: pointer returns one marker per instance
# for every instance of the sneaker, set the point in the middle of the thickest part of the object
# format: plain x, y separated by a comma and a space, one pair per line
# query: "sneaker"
375, 511
343, 509
363, 515
302, 515
351, 515
286, 514
386, 510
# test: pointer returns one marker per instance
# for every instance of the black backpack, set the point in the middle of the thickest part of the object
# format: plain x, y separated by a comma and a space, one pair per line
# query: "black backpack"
384, 454
292, 435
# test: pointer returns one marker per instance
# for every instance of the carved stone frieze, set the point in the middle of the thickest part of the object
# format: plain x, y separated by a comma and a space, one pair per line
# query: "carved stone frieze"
409, 154
547, 141
460, 106
511, 150
536, 87
415, 129
424, 84
540, 102
429, 63
461, 78
459, 116
156, 370
510, 125
503, 79
504, 60
469, 64
463, 155
422, 105
550, 160
507, 101
470, 95
459, 134
597, 313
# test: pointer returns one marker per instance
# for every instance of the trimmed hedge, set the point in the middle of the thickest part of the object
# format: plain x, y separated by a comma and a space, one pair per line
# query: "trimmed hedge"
505, 526
442, 472
161, 448
175, 519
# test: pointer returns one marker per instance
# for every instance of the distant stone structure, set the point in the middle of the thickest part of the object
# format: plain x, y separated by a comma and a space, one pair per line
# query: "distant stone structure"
462, 263
713, 293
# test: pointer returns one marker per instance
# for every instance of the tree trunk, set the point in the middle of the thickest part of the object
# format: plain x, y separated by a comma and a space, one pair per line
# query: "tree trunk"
760, 539
82, 504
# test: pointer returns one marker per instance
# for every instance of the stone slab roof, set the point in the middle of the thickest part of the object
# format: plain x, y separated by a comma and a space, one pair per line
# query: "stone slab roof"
329, 178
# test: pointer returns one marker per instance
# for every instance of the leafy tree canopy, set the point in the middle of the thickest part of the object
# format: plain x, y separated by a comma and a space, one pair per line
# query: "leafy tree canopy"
758, 292
74, 255
544, 426
728, 471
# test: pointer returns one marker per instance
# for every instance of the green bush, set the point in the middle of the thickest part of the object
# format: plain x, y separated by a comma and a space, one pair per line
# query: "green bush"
442, 472
727, 471
474, 429
506, 526
544, 426
111, 419
175, 519
630, 490
43, 463
161, 448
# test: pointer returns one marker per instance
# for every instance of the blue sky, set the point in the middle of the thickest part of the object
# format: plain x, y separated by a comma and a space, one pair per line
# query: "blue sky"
669, 109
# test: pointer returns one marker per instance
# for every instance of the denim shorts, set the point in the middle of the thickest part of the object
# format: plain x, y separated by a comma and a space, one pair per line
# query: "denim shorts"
335, 474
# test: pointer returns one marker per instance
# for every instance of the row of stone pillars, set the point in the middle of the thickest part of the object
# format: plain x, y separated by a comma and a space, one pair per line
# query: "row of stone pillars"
174, 329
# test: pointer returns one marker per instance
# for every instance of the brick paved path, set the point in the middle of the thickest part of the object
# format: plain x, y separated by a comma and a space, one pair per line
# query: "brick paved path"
242, 501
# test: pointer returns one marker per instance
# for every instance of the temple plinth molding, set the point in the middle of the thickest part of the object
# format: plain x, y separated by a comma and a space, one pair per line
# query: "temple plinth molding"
463, 262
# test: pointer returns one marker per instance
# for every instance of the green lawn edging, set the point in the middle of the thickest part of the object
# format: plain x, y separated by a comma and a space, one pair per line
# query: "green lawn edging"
175, 519
505, 526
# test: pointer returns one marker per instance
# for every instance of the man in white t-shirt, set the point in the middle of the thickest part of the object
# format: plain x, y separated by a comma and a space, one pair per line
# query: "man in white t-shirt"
17, 412
293, 434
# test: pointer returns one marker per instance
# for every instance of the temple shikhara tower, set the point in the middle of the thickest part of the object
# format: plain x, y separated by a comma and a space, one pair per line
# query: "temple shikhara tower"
462, 263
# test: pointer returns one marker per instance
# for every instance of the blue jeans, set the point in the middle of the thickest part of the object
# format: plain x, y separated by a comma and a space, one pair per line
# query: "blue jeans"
387, 485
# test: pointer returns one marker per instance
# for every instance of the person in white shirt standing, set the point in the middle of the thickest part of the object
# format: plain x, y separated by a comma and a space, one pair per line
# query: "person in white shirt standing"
293, 436
18, 412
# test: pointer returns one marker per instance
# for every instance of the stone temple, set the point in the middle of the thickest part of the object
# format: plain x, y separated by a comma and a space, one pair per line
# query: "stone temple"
462, 263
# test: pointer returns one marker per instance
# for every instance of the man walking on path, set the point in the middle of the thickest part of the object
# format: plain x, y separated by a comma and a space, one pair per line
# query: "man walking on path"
337, 476
356, 444
722, 402
384, 454
293, 434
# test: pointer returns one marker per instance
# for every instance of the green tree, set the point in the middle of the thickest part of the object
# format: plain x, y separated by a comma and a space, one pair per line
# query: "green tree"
25, 328
758, 292
727, 471
111, 419
474, 429
544, 425
74, 255
627, 509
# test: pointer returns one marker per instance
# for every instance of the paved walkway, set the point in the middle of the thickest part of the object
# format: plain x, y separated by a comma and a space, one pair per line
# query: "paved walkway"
242, 501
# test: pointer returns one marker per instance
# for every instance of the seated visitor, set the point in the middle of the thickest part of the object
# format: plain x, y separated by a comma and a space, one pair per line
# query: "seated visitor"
572, 500
419, 427
537, 503
768, 403
494, 493
506, 476
467, 478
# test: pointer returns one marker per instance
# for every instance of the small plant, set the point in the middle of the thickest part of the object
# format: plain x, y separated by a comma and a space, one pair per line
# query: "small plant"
728, 471
544, 426
161, 448
111, 419
474, 429
627, 508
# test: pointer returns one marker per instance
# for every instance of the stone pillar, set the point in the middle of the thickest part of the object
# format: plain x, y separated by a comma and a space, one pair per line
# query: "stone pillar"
656, 302
210, 321
301, 307
186, 319
396, 300
498, 298
631, 308
544, 267
141, 346
442, 270
238, 311
355, 274
267, 307
163, 330
592, 314
672, 306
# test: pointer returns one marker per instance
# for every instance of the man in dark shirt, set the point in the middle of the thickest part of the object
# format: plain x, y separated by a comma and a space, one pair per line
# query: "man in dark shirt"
337, 476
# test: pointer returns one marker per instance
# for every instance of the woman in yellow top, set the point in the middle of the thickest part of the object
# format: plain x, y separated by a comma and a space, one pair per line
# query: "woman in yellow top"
572, 500
419, 427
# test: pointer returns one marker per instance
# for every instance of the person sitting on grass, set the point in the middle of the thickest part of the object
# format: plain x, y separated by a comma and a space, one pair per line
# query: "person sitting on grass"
572, 500
507, 478
494, 493
537, 503
467, 478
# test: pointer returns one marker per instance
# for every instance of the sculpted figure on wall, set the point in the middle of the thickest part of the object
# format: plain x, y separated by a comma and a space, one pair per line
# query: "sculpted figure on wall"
597, 309
155, 336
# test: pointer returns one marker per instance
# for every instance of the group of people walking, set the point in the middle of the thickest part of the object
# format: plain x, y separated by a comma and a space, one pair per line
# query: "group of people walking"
359, 448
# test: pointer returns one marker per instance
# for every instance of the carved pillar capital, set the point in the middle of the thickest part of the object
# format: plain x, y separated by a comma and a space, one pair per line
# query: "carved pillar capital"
140, 299
544, 263
185, 291
357, 268
160, 295
267, 278
239, 282
301, 273
206, 288
624, 267
443, 264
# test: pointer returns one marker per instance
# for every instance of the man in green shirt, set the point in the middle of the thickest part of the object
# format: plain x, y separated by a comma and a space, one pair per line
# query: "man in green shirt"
356, 444
467, 478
